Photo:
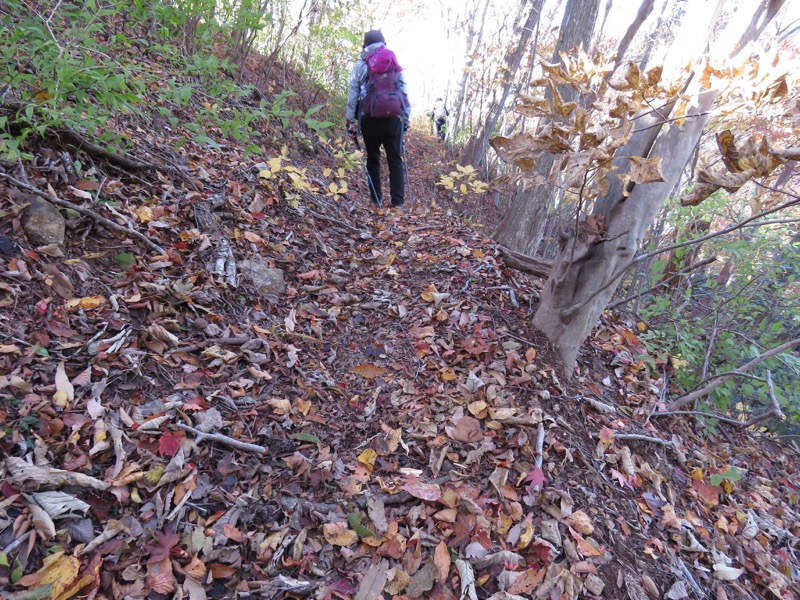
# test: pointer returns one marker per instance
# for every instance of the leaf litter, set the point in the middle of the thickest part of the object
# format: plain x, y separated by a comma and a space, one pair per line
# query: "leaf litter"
387, 426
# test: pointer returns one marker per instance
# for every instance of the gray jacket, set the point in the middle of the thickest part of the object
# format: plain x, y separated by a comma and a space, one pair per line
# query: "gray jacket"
358, 84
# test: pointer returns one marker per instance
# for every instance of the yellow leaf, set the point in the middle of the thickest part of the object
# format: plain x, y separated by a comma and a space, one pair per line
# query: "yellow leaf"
646, 170
463, 188
265, 174
449, 375
280, 406
252, 237
145, 214
641, 326
275, 164
57, 570
478, 408
367, 458
368, 371
339, 534
42, 95
327, 172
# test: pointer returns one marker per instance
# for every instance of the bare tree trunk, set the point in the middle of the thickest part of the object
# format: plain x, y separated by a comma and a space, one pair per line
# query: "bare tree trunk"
765, 12
644, 11
477, 39
585, 274
523, 224
475, 152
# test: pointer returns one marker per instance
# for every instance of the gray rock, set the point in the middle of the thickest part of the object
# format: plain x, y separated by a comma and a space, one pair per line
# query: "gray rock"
267, 280
43, 223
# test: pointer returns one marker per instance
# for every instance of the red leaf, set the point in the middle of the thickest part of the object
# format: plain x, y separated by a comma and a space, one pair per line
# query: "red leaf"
536, 478
161, 549
170, 442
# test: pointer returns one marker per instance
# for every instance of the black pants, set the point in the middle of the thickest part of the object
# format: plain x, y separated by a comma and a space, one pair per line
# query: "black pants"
440, 128
389, 134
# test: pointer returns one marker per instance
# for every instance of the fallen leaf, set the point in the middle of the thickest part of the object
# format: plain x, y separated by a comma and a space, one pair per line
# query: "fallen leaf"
424, 491
374, 582
368, 371
726, 573
441, 558
339, 534
467, 429
580, 522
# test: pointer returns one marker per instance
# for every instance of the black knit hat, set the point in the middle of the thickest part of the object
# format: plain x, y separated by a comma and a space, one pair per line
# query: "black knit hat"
373, 36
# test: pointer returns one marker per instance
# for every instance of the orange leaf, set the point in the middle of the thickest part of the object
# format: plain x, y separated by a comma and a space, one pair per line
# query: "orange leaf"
441, 558
368, 371
220, 571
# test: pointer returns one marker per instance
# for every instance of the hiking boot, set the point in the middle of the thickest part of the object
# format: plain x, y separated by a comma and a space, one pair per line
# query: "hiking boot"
398, 204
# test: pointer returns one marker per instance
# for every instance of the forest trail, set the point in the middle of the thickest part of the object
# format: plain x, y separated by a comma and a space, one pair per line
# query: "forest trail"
384, 423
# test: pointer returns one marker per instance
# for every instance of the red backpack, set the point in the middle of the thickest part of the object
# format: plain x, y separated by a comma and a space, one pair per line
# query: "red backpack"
385, 97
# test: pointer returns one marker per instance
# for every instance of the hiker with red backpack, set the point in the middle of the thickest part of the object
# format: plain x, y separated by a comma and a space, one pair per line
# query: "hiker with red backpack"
377, 105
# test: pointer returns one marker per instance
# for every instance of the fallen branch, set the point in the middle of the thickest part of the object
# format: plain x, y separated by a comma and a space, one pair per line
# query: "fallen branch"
230, 341
32, 478
718, 380
774, 411
200, 436
527, 264
539, 450
83, 144
86, 212
635, 437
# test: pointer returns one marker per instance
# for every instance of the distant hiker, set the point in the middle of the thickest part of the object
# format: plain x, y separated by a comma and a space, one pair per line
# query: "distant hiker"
377, 105
439, 116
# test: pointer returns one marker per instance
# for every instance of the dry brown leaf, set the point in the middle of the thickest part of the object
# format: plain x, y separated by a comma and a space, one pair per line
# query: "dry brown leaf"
374, 582
467, 429
441, 558
580, 522
646, 170
669, 518
368, 371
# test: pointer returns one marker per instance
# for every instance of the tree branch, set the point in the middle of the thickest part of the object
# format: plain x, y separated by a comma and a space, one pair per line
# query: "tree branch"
223, 439
774, 411
86, 212
795, 200
527, 264
718, 380
683, 271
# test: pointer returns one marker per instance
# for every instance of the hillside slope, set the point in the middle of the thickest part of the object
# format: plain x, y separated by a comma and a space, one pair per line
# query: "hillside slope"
362, 411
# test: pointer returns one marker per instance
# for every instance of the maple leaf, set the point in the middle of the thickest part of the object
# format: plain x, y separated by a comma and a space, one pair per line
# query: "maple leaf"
170, 443
162, 547
536, 479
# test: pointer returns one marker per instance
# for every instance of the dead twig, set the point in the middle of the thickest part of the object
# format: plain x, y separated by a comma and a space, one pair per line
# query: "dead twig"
718, 380
774, 411
86, 212
223, 439
83, 144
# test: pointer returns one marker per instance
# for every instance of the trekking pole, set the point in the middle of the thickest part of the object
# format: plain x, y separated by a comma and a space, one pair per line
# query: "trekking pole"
366, 170
408, 177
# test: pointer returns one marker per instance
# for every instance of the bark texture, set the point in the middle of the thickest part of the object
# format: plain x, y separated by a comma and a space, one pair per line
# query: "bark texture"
586, 272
